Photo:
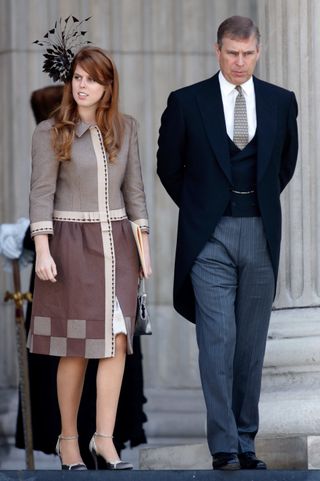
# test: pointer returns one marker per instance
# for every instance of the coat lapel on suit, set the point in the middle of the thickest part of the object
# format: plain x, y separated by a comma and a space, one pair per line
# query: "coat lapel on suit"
211, 108
266, 126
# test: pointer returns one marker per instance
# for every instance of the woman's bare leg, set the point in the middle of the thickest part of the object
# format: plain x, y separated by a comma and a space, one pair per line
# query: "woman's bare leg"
109, 380
70, 379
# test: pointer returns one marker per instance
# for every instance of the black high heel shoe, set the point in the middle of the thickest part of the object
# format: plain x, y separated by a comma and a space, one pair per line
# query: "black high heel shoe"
70, 467
100, 462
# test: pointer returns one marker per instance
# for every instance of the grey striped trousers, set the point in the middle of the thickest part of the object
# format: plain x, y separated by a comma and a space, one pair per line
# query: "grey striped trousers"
233, 282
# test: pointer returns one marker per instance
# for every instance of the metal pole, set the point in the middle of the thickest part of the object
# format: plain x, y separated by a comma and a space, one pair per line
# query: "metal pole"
18, 299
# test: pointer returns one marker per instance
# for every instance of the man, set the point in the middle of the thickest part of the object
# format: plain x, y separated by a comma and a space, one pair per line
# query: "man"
227, 148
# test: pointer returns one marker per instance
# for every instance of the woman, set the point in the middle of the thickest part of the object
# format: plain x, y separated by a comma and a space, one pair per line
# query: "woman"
86, 182
43, 369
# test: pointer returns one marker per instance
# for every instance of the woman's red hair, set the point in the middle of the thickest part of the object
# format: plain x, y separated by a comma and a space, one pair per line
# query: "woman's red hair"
101, 68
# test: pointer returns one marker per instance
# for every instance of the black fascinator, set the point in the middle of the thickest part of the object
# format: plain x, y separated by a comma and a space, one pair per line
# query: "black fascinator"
61, 43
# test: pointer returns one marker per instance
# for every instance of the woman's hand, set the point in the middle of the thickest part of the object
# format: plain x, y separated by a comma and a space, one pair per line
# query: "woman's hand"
147, 257
45, 266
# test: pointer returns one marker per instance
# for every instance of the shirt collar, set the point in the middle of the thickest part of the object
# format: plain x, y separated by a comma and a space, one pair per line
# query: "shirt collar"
227, 87
81, 128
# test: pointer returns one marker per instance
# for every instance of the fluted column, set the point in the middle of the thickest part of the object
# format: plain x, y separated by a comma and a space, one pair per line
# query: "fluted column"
290, 58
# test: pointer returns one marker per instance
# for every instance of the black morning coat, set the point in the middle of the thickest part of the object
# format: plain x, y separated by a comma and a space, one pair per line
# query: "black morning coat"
194, 167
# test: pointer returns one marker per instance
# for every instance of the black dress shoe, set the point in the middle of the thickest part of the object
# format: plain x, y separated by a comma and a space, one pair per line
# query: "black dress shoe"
249, 460
225, 461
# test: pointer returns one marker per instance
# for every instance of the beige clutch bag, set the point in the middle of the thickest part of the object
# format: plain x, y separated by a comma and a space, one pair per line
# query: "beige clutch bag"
138, 238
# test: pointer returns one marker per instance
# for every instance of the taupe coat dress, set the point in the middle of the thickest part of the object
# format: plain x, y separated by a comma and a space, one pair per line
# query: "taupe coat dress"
84, 205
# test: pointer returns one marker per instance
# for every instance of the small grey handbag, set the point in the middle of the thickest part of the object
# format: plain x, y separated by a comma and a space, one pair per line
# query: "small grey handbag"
143, 324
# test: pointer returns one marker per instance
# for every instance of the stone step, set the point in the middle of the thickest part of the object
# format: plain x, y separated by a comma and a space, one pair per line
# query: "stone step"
289, 411
178, 475
279, 453
293, 341
289, 403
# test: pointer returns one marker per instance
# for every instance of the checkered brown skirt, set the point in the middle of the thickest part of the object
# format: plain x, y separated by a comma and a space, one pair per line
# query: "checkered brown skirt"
68, 316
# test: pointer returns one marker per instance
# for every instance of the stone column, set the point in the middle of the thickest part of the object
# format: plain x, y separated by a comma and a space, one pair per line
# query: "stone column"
290, 58
291, 383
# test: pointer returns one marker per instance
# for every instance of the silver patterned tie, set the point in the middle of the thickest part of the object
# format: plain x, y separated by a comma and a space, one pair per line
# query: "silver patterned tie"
240, 127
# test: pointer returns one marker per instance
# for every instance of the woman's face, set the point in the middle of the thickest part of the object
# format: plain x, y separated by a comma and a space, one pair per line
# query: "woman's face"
86, 91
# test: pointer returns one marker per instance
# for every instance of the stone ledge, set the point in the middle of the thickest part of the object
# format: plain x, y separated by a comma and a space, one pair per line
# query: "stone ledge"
177, 475
285, 411
301, 452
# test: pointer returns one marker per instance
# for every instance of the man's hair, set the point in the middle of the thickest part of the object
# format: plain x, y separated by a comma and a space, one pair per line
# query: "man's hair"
237, 27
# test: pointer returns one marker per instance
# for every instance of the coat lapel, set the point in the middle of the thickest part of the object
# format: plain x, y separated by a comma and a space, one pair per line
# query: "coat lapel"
266, 126
211, 108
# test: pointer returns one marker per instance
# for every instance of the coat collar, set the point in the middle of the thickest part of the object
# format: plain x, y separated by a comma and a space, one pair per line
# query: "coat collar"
81, 128
210, 103
266, 125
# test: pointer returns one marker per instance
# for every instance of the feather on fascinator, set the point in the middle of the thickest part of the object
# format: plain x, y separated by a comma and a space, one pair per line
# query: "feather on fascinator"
61, 43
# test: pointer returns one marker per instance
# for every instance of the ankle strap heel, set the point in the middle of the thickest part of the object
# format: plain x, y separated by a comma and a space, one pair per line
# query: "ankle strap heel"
100, 461
64, 438
69, 467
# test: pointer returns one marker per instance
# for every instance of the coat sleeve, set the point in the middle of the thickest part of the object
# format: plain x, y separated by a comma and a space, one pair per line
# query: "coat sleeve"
132, 187
290, 151
45, 168
171, 146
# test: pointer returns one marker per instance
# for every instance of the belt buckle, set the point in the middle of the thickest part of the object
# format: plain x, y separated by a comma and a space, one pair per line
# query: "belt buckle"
243, 192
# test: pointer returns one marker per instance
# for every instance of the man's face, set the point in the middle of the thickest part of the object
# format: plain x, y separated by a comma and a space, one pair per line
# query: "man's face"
237, 58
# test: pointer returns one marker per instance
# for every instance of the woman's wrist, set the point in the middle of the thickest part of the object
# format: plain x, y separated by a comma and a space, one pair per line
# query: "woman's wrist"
41, 242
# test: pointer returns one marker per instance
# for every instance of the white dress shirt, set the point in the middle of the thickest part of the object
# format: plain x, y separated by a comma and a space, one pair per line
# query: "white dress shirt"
229, 94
